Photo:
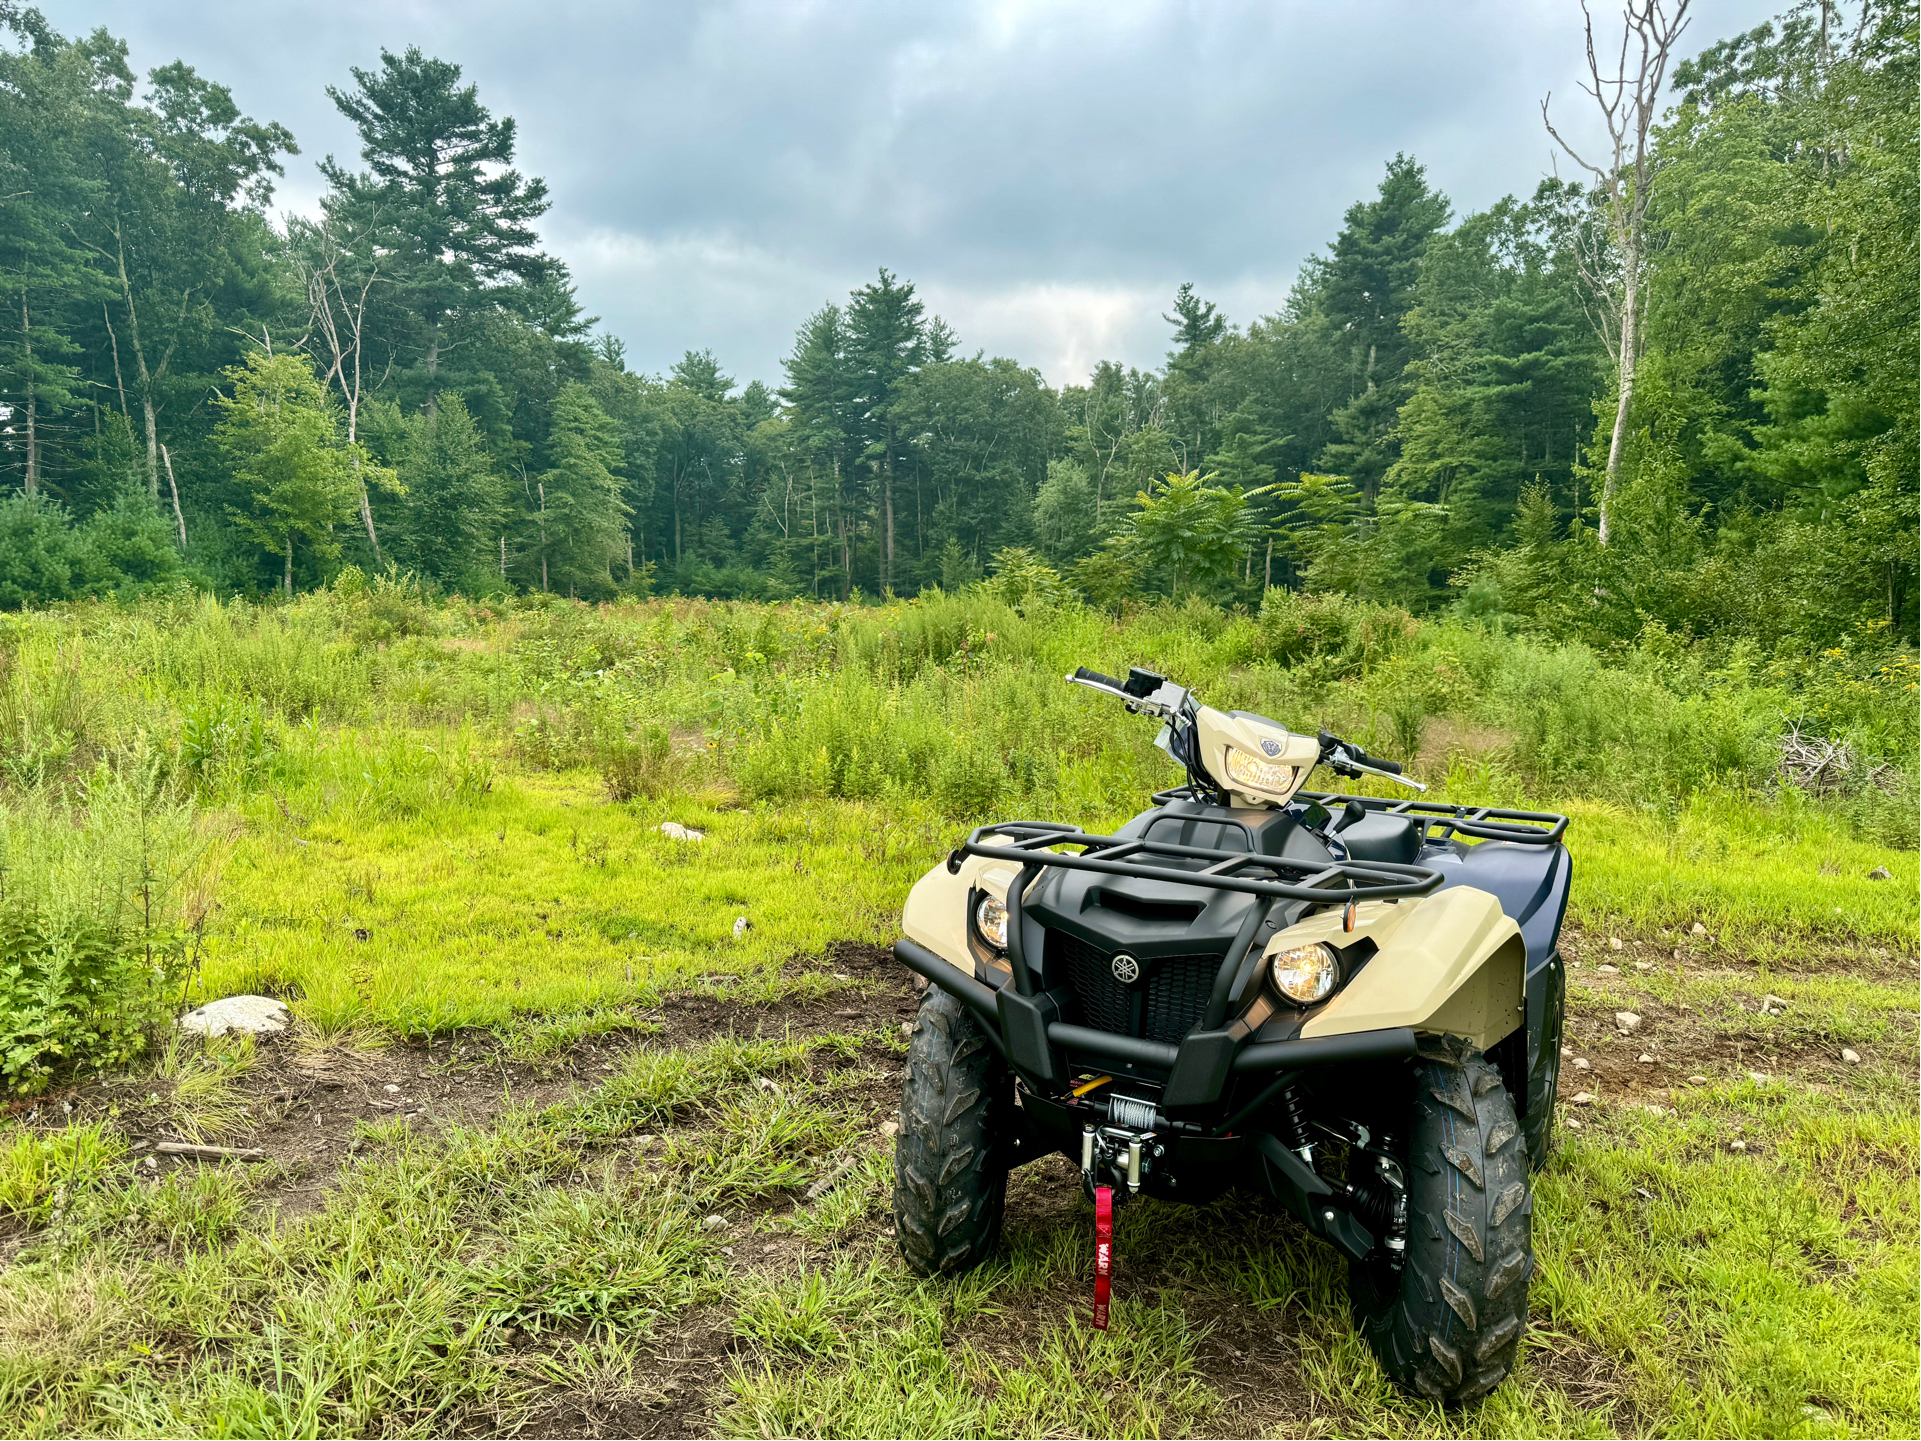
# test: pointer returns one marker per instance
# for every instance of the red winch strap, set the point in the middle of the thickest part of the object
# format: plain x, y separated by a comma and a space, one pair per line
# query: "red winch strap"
1103, 1252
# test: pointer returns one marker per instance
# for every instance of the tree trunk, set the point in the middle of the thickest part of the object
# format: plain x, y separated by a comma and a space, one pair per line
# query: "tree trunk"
541, 486
33, 444
141, 372
1624, 402
173, 489
433, 368
887, 511
289, 571
1267, 577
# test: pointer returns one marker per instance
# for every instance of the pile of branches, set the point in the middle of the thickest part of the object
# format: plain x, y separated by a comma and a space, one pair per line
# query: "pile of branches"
1822, 767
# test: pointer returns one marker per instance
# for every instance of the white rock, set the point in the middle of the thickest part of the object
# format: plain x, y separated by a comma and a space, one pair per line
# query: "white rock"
907, 1030
741, 926
1880, 873
1773, 1005
1614, 943
890, 1128
248, 1015
1697, 1080
1567, 1053
675, 831
1580, 1063
715, 1222
1644, 965
1737, 1145
391, 1089
1572, 1124
1852, 1058
1760, 1078
1582, 1098
1627, 1020
1697, 929
1607, 970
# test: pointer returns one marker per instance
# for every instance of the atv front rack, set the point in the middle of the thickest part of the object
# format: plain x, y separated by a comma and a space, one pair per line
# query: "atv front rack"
1030, 845
1320, 883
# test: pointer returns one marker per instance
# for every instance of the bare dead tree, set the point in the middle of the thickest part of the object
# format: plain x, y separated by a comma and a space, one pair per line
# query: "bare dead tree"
337, 330
1628, 99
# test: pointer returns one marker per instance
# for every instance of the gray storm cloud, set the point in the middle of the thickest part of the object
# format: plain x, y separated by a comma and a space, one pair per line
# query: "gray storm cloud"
1047, 173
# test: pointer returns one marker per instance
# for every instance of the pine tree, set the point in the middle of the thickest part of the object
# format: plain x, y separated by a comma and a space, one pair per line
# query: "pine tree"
440, 175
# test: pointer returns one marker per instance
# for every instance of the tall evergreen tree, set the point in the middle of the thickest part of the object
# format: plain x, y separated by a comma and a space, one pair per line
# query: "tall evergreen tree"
439, 173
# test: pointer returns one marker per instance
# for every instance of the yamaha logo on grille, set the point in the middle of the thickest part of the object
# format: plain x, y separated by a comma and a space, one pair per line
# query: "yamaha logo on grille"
1272, 747
1127, 970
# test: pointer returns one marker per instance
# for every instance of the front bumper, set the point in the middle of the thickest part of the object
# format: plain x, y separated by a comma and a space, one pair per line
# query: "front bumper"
1194, 1075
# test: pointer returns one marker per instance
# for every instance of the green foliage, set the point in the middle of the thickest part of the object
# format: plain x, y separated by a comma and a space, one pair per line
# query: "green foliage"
1190, 530
280, 434
99, 916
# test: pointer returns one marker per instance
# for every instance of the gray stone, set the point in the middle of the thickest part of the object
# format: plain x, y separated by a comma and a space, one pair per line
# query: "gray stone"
1850, 1057
245, 1015
1880, 873
1627, 1020
1773, 1005
675, 831
715, 1222
1697, 929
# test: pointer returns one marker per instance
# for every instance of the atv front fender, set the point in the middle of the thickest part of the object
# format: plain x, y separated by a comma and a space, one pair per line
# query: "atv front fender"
1455, 966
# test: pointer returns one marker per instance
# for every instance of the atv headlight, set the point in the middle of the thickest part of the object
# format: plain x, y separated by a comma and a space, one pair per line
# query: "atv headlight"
1305, 974
990, 919
1258, 775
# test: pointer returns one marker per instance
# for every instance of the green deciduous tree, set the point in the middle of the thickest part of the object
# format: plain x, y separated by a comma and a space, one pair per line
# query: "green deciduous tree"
281, 434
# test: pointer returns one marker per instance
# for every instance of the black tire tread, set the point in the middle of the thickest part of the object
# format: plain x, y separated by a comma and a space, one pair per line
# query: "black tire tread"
1448, 1326
950, 1159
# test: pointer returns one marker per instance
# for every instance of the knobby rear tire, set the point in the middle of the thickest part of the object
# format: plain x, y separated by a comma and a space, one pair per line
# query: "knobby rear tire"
951, 1158
1448, 1325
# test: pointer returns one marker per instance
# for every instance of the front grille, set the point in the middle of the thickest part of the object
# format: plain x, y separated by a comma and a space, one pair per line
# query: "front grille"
1172, 1002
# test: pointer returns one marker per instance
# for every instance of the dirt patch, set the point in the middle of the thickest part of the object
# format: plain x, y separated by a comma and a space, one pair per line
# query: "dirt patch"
1590, 1379
674, 1389
1702, 957
302, 1103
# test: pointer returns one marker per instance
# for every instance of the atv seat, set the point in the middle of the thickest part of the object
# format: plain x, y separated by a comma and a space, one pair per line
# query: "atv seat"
1377, 837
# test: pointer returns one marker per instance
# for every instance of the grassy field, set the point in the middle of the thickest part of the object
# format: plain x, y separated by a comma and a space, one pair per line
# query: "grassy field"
558, 1146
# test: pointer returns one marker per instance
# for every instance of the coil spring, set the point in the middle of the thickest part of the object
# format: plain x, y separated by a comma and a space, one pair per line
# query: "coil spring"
1290, 1117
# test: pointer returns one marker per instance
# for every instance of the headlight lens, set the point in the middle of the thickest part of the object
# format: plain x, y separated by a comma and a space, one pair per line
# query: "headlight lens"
1258, 775
990, 918
1305, 974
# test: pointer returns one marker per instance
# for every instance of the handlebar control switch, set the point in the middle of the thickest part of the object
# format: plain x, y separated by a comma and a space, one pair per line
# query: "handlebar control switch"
1143, 683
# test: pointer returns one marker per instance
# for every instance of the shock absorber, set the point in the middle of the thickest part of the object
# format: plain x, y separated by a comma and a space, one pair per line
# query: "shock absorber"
1290, 1120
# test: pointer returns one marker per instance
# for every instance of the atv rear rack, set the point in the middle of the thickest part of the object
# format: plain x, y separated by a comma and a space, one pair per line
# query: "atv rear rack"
1439, 820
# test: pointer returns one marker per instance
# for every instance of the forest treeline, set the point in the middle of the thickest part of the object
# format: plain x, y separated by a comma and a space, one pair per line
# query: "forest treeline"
193, 391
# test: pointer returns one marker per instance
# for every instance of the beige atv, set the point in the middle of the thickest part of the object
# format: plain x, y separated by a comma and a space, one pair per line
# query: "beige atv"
1349, 1004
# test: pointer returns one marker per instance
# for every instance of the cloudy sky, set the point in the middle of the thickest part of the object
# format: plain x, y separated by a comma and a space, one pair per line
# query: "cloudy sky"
1045, 171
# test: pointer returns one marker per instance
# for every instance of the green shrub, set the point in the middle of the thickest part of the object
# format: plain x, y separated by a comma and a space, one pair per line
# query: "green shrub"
102, 904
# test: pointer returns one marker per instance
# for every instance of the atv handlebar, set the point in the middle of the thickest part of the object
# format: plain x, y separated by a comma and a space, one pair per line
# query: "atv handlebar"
1345, 758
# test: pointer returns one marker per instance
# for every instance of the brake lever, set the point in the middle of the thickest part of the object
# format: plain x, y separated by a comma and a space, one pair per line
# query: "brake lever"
1342, 763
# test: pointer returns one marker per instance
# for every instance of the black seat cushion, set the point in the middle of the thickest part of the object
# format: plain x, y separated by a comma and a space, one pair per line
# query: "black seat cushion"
1383, 838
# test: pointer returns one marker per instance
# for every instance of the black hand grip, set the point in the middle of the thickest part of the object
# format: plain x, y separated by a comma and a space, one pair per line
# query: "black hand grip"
1083, 673
1360, 757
